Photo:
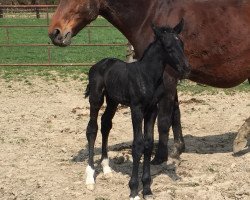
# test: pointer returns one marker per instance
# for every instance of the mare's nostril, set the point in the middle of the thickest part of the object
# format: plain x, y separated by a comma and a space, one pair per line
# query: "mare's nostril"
55, 33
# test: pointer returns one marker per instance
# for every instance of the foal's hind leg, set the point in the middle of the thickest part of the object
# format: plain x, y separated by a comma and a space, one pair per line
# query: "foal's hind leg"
106, 125
179, 145
96, 101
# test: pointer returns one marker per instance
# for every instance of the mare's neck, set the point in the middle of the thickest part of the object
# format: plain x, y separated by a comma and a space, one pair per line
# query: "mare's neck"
128, 16
134, 18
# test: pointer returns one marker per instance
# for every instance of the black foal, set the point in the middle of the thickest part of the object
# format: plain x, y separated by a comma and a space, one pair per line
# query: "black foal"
138, 85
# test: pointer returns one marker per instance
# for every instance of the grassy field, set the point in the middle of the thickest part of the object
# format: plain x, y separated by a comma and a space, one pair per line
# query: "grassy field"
67, 55
58, 55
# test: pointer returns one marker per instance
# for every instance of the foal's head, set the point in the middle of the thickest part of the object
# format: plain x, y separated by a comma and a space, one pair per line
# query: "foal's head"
173, 47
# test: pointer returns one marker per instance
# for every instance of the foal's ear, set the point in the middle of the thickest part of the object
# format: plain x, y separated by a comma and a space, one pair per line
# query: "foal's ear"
178, 28
156, 30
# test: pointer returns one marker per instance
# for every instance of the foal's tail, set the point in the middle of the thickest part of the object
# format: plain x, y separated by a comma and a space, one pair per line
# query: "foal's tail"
87, 91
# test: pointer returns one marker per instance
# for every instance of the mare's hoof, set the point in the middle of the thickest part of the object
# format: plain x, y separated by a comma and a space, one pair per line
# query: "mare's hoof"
239, 145
157, 161
135, 198
175, 155
90, 187
149, 197
177, 150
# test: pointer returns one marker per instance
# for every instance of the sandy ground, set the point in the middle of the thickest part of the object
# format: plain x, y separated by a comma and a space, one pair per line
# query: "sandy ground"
43, 147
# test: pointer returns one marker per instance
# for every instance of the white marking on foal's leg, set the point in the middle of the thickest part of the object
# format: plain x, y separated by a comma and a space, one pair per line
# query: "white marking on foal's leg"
90, 180
136, 198
105, 166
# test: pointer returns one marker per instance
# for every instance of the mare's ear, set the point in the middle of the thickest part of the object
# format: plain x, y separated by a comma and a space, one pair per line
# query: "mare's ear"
156, 30
178, 28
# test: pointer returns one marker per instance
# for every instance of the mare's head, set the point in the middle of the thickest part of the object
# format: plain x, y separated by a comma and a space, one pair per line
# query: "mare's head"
173, 47
70, 17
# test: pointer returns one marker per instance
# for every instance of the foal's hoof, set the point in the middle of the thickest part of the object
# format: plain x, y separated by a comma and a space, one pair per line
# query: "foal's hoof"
108, 175
135, 198
90, 187
149, 197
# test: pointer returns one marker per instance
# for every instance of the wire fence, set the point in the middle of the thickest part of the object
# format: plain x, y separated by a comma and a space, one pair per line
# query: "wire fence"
45, 12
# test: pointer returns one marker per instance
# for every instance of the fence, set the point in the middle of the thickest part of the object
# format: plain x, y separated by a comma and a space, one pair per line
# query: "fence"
44, 11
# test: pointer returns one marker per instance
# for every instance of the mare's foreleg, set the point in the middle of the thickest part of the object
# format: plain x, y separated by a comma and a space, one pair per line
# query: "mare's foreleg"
137, 150
149, 121
96, 101
241, 139
179, 144
165, 113
106, 125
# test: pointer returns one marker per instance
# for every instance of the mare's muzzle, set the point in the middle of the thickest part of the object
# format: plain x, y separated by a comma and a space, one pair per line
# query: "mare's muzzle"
60, 38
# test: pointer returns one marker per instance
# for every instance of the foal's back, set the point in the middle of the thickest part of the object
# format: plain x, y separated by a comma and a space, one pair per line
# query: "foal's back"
114, 75
123, 82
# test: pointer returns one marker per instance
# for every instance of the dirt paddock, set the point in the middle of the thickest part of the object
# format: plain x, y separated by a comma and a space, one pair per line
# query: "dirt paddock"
43, 147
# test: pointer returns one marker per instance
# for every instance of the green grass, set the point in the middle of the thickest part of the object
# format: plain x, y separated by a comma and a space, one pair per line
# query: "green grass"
24, 55
11, 55
191, 87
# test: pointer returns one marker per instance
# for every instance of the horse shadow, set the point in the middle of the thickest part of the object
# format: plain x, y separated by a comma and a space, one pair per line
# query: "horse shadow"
209, 144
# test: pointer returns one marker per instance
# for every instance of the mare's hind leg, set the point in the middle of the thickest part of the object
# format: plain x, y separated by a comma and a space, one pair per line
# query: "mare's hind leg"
96, 101
106, 125
179, 145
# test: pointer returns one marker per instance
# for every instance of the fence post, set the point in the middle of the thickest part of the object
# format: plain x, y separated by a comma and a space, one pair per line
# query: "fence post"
1, 11
36, 2
130, 53
8, 35
49, 55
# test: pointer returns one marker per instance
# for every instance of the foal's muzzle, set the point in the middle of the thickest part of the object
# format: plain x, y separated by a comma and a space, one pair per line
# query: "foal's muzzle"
60, 38
184, 70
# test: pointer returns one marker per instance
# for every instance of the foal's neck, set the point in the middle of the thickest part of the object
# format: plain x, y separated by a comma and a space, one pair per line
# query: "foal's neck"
153, 59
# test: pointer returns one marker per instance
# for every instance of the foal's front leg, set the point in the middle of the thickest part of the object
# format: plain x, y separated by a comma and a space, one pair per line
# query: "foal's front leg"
149, 121
137, 150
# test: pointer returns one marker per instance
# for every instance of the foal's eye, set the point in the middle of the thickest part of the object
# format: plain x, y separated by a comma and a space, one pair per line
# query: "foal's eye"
176, 38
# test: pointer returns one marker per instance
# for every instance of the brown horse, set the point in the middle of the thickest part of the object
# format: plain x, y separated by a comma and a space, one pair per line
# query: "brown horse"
216, 37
